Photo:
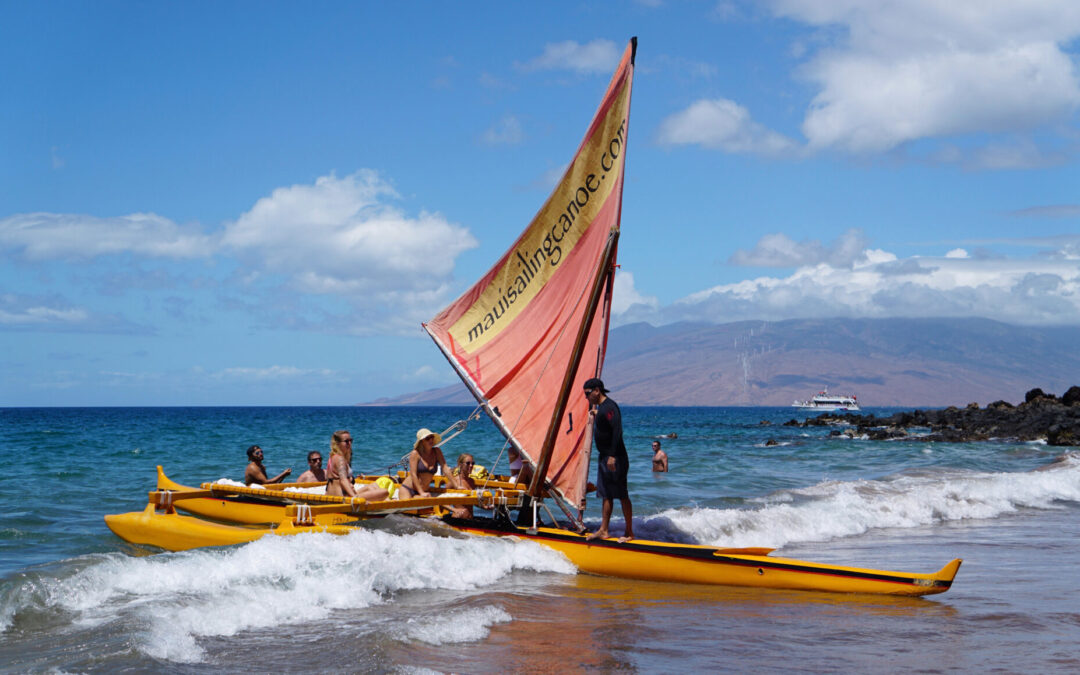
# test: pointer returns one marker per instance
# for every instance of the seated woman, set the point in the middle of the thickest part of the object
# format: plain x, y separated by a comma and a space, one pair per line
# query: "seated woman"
520, 472
339, 478
424, 460
462, 480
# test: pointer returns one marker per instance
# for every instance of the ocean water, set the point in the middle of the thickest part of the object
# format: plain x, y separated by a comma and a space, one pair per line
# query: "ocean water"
403, 595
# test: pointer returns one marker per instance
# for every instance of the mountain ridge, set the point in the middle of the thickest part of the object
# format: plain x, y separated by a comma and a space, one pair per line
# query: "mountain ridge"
885, 362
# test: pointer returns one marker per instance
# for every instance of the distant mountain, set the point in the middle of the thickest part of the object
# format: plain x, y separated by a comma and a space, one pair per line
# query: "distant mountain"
885, 362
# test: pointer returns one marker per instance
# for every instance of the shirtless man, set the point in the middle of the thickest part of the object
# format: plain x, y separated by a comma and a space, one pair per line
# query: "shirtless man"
659, 458
315, 472
256, 472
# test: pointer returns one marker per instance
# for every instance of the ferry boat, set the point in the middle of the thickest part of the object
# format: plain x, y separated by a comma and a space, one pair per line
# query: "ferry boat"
826, 402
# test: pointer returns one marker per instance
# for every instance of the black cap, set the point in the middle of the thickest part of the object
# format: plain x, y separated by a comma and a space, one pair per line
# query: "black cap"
595, 383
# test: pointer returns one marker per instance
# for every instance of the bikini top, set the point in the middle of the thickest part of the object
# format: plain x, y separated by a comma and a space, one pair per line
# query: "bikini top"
331, 470
422, 466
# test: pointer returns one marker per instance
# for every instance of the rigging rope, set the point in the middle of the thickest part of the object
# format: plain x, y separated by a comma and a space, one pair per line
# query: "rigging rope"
446, 436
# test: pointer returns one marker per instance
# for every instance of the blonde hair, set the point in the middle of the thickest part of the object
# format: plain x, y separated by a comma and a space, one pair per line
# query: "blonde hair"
336, 445
459, 469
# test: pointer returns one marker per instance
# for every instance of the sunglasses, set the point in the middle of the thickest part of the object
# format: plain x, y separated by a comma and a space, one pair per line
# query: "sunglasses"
468, 463
345, 440
315, 459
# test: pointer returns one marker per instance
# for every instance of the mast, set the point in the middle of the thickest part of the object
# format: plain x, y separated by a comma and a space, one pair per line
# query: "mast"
604, 270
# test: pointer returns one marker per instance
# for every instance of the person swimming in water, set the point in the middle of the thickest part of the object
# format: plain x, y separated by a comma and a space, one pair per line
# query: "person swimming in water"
659, 458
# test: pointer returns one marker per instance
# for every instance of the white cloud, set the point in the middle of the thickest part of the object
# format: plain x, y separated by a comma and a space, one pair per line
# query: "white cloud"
779, 250
721, 124
625, 296
1043, 289
274, 373
48, 236
53, 313
1049, 211
957, 253
927, 69
40, 316
598, 56
338, 236
506, 131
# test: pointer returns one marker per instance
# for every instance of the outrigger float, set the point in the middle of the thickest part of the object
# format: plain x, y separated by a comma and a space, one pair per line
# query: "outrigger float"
522, 338
229, 514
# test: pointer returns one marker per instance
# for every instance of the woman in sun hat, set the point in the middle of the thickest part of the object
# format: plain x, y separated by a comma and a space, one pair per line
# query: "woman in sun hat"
425, 459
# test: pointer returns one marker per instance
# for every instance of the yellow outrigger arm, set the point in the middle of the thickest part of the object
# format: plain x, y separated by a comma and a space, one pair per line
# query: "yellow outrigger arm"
319, 504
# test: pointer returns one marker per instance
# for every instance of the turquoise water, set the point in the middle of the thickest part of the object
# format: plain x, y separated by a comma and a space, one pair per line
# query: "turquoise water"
403, 594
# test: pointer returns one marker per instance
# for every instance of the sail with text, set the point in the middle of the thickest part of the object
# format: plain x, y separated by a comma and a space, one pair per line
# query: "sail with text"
515, 336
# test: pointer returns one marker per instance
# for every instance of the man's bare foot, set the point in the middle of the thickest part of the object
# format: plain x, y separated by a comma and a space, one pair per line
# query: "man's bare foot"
599, 534
623, 540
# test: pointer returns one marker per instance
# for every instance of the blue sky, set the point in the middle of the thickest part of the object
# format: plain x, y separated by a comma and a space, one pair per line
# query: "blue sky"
257, 203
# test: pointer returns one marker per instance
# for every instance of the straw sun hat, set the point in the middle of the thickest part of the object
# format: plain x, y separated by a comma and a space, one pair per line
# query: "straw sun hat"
424, 433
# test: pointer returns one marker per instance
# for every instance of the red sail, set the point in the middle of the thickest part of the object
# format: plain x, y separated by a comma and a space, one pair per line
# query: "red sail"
511, 336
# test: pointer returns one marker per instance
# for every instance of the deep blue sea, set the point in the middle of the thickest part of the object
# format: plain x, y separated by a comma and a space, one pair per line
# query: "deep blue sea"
405, 596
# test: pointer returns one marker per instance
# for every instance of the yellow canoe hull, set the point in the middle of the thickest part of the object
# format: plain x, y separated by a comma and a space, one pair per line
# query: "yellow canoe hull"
637, 559
176, 532
694, 564
230, 509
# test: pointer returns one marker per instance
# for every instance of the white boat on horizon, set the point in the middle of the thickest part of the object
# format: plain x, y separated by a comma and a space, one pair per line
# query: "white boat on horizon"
826, 402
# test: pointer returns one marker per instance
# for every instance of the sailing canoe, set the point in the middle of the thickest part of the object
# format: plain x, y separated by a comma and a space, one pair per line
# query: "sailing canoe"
559, 274
638, 559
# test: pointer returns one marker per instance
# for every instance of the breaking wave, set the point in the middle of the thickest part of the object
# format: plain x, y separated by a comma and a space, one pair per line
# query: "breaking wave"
836, 509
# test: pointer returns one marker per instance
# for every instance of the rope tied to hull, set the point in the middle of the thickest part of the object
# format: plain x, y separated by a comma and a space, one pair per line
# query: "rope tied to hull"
303, 515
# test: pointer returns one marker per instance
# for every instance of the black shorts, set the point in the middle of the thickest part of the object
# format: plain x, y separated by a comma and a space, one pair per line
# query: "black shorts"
612, 484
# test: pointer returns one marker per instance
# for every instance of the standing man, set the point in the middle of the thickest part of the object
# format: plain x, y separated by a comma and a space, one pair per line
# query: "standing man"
256, 472
614, 463
659, 458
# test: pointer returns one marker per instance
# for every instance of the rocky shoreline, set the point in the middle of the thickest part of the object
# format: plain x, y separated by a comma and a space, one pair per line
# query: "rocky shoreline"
1041, 416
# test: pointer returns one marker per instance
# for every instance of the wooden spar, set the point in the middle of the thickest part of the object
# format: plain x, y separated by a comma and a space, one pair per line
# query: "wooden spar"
575, 360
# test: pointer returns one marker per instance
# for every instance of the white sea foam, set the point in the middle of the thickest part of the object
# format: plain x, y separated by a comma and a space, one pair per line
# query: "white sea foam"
277, 581
836, 509
467, 625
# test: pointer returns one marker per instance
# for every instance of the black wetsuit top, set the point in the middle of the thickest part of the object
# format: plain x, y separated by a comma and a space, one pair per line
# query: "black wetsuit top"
607, 430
